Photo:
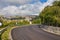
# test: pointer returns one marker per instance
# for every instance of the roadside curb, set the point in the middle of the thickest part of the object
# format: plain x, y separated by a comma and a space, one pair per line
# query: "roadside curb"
10, 36
50, 31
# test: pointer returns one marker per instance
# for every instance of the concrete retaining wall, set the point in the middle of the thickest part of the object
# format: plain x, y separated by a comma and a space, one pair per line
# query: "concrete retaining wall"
51, 29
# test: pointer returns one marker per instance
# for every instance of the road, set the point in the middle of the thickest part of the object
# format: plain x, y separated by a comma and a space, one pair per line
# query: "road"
32, 32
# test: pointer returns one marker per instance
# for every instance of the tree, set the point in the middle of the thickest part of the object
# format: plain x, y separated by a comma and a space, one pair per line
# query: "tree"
51, 14
56, 3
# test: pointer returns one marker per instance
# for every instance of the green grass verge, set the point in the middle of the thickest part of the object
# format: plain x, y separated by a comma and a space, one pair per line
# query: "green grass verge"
5, 35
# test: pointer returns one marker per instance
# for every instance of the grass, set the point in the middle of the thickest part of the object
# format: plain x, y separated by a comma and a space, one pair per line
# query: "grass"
5, 35
12, 24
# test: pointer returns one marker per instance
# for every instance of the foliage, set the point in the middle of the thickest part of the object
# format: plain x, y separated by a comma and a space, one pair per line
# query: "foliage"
51, 14
12, 24
56, 3
5, 35
36, 21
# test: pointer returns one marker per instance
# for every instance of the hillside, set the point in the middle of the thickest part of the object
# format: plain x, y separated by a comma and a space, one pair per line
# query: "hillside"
51, 14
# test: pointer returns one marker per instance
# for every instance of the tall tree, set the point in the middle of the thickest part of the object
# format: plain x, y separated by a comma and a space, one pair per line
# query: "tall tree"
51, 14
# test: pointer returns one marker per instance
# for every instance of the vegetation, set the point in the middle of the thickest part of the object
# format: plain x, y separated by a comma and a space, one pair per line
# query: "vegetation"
36, 21
51, 14
5, 35
11, 24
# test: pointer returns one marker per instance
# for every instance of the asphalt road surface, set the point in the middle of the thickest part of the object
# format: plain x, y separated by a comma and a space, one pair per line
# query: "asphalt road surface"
32, 32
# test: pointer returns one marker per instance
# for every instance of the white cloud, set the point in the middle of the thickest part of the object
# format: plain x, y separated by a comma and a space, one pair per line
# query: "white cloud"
18, 1
48, 3
10, 11
26, 9
22, 10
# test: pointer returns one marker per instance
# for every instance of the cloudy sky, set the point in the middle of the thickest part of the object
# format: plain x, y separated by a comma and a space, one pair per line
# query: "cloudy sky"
23, 7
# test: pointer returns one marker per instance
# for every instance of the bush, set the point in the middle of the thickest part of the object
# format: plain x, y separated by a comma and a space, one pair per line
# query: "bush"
37, 21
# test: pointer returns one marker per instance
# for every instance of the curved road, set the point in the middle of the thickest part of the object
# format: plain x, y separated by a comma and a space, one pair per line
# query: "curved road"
32, 32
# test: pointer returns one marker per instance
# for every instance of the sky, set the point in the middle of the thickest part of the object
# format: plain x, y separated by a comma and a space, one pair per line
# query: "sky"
23, 7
